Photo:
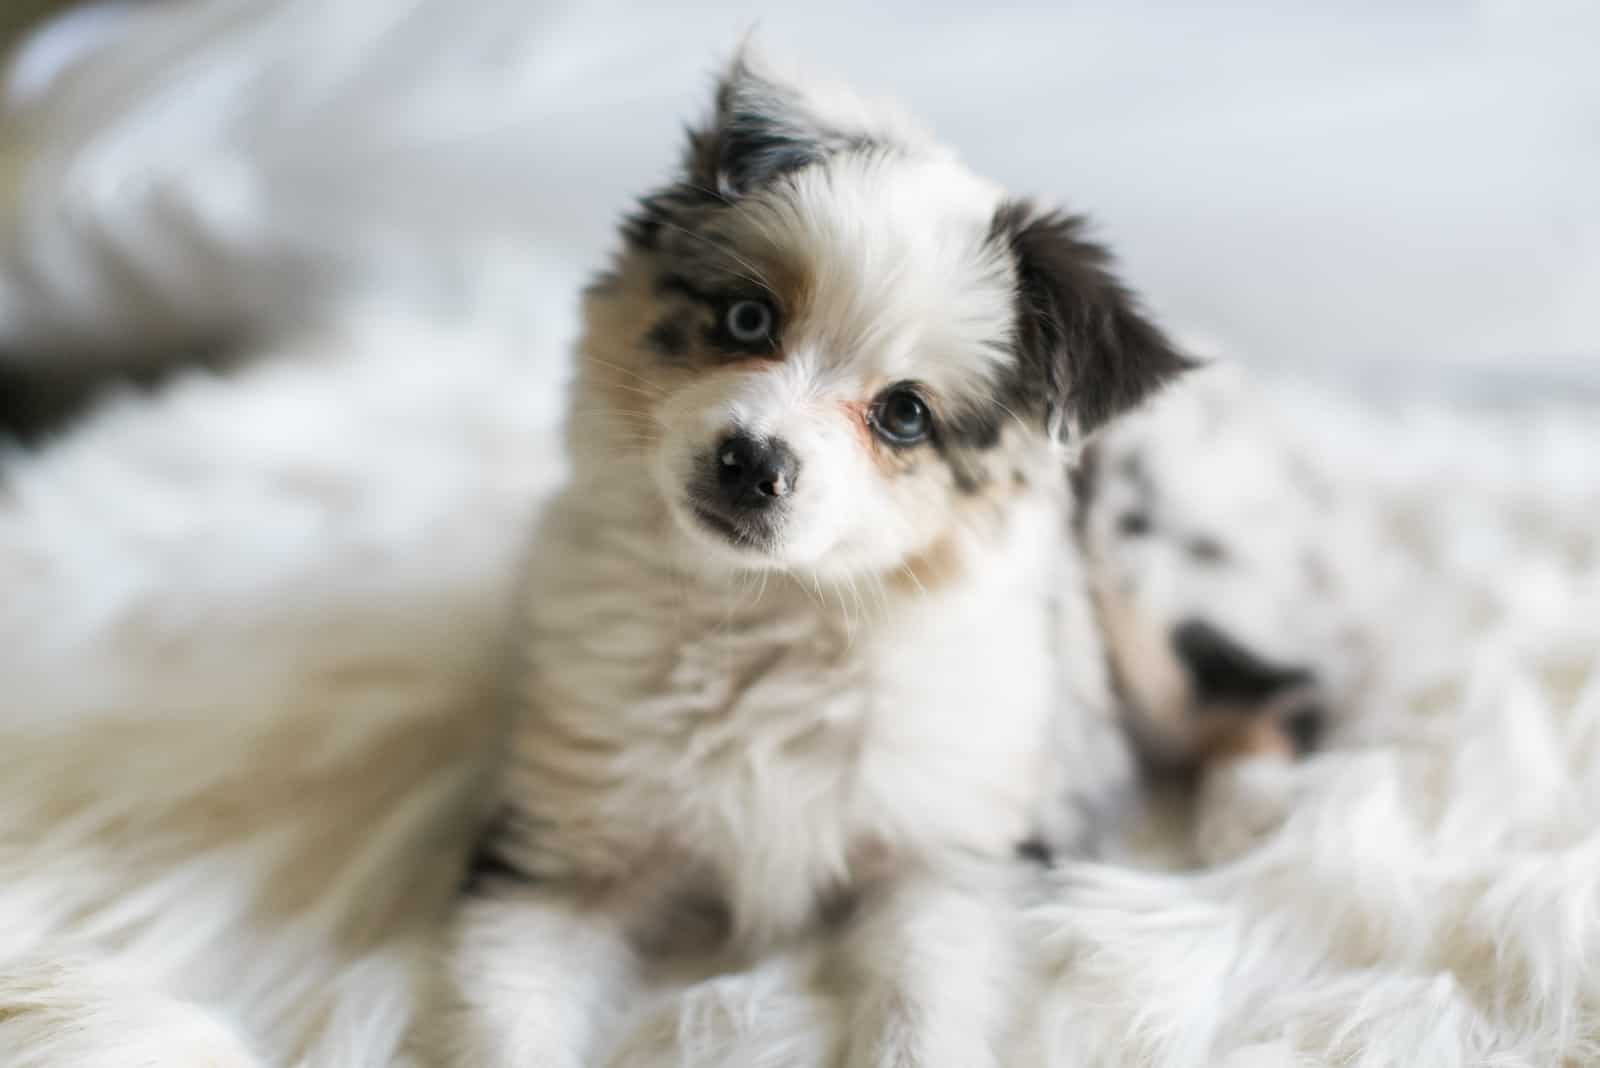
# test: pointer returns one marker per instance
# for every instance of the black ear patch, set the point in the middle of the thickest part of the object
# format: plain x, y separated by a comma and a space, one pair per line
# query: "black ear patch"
1080, 332
761, 131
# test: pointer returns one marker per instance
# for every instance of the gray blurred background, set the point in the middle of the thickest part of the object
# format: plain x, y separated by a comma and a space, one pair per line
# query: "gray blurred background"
1382, 186
1382, 189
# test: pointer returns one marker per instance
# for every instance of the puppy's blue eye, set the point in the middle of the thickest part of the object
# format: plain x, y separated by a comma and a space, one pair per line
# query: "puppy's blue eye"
749, 321
900, 417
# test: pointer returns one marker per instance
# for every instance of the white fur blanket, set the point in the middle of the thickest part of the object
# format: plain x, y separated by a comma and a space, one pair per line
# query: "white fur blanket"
247, 624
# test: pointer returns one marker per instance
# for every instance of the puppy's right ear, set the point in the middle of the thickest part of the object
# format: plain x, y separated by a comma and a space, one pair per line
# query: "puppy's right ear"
1083, 339
761, 129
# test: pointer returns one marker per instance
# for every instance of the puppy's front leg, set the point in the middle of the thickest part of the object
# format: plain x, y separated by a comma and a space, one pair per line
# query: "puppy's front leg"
932, 966
534, 974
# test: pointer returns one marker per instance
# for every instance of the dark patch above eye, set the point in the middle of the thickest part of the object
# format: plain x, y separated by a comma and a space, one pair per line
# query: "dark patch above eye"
669, 337
717, 304
677, 285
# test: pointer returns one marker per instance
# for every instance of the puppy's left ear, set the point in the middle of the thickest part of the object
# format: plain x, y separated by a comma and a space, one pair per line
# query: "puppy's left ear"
762, 128
1079, 329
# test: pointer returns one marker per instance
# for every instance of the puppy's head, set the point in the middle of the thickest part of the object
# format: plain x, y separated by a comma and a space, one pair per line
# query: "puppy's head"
833, 347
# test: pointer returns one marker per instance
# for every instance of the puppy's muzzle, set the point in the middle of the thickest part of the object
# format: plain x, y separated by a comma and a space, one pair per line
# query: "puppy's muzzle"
743, 484
753, 474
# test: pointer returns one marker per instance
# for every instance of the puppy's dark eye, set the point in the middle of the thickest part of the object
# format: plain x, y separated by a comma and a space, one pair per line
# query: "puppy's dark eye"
900, 417
749, 321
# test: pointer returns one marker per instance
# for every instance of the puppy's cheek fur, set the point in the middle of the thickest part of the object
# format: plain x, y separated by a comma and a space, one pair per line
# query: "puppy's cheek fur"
822, 510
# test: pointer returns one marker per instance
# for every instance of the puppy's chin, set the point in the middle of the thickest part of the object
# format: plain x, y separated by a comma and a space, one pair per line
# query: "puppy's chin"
713, 548
720, 544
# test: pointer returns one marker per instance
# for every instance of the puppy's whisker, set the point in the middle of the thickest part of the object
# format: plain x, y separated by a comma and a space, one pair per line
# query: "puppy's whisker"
655, 388
719, 246
707, 190
599, 415
911, 573
604, 419
882, 589
750, 273
640, 390
1021, 424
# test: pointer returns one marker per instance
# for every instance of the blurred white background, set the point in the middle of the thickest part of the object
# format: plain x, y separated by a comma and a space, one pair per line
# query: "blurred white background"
1383, 185
1385, 189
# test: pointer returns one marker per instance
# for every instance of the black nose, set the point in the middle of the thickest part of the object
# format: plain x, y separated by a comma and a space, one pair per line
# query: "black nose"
754, 473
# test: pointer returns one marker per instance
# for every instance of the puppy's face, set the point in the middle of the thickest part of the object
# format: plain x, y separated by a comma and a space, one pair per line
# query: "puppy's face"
834, 348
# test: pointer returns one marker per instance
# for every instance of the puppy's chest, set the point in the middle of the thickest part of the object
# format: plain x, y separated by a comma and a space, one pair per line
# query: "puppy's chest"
785, 752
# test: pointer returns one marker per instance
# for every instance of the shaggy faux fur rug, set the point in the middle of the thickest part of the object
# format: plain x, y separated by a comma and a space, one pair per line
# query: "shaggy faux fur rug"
226, 600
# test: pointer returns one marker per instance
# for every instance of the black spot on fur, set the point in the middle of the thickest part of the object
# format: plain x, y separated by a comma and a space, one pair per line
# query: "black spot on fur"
1131, 469
1204, 549
1036, 851
1133, 524
1083, 346
978, 429
961, 440
1306, 726
1084, 480
1223, 671
969, 478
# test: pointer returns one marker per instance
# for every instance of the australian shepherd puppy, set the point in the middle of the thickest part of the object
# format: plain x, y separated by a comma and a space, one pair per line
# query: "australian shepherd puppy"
807, 643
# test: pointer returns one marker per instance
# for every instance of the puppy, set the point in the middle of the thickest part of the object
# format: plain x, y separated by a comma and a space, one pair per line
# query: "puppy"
807, 642
1209, 538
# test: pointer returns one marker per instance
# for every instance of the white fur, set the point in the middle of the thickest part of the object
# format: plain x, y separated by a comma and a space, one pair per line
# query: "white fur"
765, 740
317, 550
